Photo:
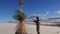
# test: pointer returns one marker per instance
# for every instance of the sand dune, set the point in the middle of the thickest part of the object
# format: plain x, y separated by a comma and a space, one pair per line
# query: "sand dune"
9, 28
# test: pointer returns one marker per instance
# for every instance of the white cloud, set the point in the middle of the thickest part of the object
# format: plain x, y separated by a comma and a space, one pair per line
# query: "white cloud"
47, 12
44, 14
36, 14
55, 16
40, 15
58, 12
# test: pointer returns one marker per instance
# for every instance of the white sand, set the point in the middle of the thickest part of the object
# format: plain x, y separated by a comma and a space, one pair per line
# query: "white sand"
9, 28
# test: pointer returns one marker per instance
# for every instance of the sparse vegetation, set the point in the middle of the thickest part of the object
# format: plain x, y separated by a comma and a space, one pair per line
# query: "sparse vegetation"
20, 16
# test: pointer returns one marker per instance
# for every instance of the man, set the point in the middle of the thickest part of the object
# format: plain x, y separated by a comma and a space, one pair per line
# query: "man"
37, 24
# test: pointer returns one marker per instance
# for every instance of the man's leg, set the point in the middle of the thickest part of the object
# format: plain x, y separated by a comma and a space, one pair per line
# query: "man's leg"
38, 29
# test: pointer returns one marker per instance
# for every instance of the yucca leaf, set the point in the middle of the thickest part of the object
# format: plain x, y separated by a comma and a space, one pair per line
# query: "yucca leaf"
19, 15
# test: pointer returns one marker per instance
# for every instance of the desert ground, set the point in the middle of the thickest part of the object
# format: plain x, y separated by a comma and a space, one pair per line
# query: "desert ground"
10, 28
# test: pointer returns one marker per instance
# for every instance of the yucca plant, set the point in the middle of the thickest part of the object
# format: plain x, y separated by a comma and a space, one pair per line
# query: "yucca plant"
20, 16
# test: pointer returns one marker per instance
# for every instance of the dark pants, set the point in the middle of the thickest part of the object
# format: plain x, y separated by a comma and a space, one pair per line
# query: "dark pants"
37, 29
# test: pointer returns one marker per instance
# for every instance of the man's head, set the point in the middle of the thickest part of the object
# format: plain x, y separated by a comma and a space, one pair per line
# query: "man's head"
37, 17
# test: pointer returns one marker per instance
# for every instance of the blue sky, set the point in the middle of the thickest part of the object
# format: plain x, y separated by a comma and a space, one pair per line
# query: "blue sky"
49, 8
